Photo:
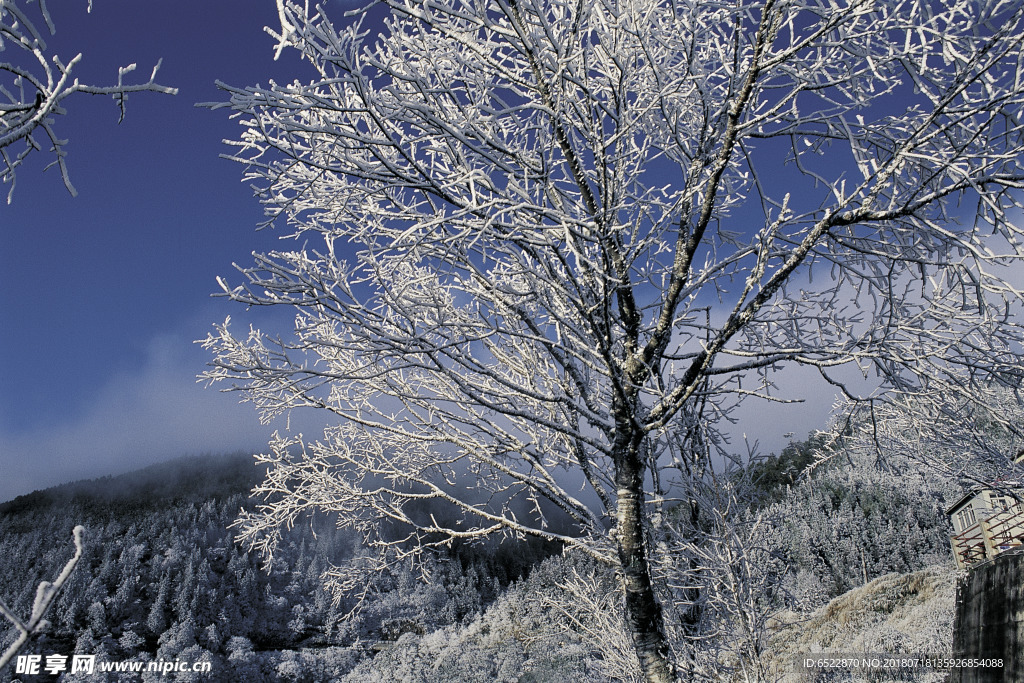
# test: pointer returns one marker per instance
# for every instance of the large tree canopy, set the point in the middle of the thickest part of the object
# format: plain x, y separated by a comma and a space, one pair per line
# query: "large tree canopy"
553, 242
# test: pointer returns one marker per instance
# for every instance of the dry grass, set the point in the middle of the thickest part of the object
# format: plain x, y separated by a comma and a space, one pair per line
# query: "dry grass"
897, 613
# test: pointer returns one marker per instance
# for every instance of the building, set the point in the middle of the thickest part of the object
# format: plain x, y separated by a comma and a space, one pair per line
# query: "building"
987, 521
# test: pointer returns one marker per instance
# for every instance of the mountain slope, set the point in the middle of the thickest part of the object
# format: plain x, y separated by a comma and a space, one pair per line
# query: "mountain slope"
897, 614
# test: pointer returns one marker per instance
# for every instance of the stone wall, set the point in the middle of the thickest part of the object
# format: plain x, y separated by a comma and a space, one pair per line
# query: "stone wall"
990, 620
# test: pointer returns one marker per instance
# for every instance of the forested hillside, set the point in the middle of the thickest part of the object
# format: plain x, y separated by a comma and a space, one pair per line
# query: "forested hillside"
851, 521
163, 578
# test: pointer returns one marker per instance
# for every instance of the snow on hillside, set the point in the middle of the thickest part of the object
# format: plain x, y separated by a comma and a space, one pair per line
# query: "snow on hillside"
896, 613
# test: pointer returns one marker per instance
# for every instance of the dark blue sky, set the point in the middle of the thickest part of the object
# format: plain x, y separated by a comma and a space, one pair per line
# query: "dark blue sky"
101, 296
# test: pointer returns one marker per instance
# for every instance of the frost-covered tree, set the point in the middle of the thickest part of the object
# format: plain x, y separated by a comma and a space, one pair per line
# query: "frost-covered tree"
965, 439
853, 521
34, 83
548, 245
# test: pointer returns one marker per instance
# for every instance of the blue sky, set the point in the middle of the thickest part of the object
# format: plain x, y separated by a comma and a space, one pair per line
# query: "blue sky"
101, 296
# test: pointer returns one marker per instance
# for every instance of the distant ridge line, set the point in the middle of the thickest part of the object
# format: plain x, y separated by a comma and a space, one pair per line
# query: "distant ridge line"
185, 476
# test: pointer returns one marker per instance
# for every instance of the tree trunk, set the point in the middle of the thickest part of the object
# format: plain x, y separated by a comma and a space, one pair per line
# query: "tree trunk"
644, 617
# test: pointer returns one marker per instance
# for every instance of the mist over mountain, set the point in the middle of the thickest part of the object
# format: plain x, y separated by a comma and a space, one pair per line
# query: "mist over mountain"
194, 478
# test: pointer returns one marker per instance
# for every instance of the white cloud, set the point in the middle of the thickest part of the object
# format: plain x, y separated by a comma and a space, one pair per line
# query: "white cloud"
138, 418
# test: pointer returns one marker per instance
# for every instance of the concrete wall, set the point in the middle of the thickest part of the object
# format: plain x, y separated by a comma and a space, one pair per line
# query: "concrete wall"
990, 620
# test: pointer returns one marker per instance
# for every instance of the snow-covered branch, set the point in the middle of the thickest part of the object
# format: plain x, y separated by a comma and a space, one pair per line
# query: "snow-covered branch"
44, 596
33, 85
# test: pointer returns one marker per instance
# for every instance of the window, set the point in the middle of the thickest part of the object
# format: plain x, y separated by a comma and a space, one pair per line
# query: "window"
1002, 502
965, 518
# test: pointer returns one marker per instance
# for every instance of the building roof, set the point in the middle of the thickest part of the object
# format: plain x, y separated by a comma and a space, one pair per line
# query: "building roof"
975, 490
